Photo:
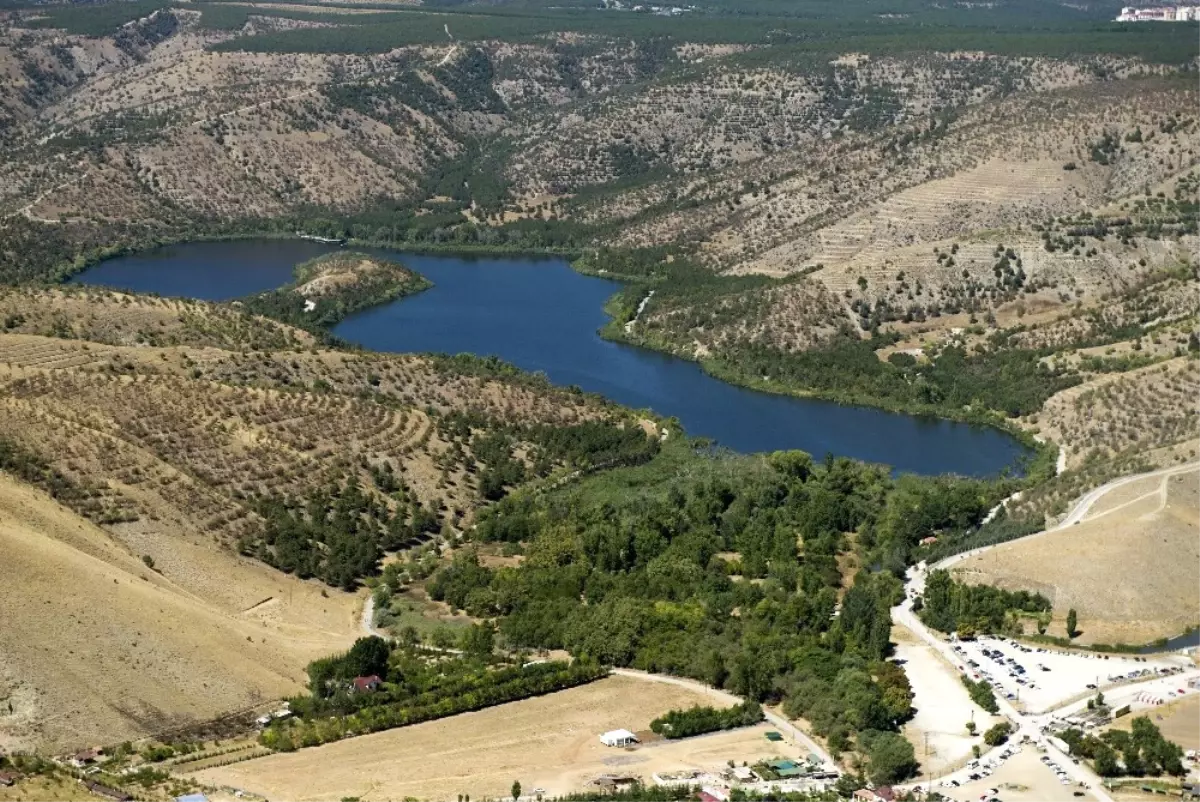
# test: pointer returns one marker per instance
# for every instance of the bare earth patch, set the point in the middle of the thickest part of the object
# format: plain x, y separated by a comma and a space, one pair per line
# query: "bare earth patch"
938, 731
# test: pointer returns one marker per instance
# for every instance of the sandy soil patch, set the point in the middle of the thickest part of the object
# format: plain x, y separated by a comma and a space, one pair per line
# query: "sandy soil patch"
60, 789
938, 730
550, 743
1103, 566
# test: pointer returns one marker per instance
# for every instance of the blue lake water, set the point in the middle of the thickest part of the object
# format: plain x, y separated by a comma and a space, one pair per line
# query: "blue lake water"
542, 316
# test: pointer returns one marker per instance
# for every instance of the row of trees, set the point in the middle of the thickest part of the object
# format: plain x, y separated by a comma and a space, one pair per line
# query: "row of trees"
417, 685
699, 720
981, 694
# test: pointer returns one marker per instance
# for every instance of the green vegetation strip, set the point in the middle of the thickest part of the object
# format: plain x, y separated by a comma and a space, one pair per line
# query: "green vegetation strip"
416, 686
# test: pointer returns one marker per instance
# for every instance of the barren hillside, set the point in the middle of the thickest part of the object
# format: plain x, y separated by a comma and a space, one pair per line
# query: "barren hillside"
97, 647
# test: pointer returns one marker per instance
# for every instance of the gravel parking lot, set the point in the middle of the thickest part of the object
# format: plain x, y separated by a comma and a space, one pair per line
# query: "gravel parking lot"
1042, 679
1023, 778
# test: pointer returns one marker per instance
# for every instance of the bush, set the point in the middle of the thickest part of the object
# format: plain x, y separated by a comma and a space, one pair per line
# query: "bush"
997, 734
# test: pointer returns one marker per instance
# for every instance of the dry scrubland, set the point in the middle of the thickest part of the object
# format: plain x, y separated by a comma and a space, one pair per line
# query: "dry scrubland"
550, 742
1131, 568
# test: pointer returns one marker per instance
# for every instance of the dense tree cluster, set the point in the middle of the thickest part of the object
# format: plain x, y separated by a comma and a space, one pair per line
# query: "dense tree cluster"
648, 567
699, 720
981, 694
1141, 752
951, 606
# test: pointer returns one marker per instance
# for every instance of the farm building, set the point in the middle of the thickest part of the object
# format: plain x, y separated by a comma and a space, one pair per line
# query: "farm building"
618, 738
85, 757
7, 779
367, 684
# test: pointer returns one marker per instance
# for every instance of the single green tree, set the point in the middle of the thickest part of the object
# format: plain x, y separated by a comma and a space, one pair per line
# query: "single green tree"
516, 789
1072, 621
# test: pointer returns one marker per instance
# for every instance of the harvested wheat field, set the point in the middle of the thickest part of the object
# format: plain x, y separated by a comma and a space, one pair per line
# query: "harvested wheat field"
1130, 568
97, 648
550, 742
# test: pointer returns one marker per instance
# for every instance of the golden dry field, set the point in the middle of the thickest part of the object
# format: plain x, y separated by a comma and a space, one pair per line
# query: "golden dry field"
1130, 568
549, 742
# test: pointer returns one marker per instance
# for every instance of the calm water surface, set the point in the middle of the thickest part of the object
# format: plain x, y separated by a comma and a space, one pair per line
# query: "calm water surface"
542, 316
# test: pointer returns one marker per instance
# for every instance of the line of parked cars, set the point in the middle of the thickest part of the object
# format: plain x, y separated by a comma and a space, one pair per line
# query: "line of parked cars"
1058, 770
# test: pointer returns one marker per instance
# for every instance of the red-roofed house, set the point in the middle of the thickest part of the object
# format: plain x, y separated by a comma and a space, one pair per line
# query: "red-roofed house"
367, 684
882, 794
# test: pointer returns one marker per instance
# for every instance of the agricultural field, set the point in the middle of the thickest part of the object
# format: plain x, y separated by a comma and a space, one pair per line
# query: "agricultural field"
550, 742
1146, 529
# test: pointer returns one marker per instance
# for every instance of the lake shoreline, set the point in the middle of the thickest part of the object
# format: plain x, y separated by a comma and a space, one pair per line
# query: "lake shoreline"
909, 440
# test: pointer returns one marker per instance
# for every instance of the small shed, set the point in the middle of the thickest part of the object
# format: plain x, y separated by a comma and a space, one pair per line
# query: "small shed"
618, 738
192, 798
7, 779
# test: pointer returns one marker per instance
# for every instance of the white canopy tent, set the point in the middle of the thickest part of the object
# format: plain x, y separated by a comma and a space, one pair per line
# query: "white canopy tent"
618, 738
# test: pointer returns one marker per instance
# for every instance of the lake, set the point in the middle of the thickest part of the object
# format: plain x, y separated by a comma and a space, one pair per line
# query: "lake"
541, 315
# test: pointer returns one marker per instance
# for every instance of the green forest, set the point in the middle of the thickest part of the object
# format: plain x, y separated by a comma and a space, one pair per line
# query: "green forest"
650, 567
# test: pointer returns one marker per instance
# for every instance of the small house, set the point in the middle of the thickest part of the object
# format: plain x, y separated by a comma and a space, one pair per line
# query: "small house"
7, 779
618, 738
928, 541
85, 757
367, 684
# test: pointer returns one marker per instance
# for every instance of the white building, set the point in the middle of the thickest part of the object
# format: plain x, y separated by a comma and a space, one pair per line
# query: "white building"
618, 738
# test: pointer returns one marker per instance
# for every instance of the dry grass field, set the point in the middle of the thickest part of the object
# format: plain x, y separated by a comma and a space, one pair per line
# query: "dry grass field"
1131, 568
98, 648
40, 789
1179, 721
550, 742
